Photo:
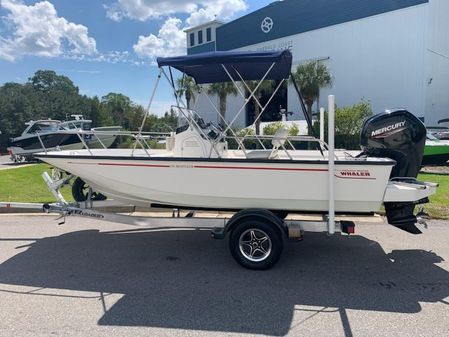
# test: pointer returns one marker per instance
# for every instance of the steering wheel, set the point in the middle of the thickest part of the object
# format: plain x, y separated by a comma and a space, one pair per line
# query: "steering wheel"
216, 126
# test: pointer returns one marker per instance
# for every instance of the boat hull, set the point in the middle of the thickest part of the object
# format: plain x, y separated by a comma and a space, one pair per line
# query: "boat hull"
436, 154
29, 145
231, 184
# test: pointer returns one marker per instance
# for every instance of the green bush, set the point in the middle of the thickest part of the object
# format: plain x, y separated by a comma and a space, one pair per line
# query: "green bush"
272, 128
248, 143
348, 124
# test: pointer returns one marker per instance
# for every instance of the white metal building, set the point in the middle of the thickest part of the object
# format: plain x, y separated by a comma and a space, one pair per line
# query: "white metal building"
394, 53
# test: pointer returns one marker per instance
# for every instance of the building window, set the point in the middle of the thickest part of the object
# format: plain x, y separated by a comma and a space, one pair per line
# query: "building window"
200, 37
208, 34
192, 39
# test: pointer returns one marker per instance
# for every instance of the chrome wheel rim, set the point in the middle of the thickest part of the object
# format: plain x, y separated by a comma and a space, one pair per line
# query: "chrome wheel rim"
255, 245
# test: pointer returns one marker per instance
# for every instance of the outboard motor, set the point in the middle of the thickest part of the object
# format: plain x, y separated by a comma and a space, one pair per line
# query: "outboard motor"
399, 135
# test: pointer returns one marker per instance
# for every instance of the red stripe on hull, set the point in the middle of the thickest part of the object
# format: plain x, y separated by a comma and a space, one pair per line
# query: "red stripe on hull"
227, 168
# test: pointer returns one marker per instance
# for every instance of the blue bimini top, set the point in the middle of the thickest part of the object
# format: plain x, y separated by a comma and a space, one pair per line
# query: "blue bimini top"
208, 67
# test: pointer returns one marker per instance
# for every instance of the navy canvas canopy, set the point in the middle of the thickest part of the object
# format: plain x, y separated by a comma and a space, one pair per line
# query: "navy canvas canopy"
207, 67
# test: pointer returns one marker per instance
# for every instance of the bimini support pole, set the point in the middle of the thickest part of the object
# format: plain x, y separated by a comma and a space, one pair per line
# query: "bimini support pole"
331, 158
147, 111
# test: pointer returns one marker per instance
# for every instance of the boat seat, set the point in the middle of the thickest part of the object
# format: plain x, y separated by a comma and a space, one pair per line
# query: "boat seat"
279, 138
261, 154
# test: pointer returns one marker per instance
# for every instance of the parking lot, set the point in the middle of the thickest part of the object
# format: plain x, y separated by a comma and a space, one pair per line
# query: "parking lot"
97, 278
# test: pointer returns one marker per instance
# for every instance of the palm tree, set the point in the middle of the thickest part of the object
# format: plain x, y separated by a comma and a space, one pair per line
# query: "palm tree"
264, 87
187, 87
222, 90
311, 77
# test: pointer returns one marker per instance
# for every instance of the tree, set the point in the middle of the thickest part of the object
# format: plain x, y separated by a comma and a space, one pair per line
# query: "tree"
55, 96
311, 77
14, 110
98, 113
118, 106
348, 124
46, 80
265, 87
187, 87
222, 90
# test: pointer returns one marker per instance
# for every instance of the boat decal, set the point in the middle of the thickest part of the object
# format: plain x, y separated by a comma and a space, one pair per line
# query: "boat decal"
86, 213
388, 130
354, 174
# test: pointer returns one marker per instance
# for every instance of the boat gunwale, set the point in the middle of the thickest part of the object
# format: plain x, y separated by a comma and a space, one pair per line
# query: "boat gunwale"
383, 162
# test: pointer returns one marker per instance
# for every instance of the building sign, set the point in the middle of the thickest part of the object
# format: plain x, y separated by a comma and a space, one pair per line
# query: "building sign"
267, 25
281, 45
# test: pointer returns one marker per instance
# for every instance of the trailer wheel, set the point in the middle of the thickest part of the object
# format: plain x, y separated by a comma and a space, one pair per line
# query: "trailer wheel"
256, 244
80, 191
280, 214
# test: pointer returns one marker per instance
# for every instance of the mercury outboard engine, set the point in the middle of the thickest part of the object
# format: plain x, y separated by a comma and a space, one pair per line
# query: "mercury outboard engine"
399, 135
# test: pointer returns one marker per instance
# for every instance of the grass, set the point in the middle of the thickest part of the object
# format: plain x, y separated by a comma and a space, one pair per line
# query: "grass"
438, 208
25, 184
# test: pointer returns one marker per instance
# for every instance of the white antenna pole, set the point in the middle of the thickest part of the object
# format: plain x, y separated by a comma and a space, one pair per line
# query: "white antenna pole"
331, 143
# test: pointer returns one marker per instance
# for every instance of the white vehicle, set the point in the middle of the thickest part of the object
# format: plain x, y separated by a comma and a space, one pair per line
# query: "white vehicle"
204, 168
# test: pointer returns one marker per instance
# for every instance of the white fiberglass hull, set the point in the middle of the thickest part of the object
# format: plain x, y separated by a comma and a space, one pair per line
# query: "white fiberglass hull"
232, 183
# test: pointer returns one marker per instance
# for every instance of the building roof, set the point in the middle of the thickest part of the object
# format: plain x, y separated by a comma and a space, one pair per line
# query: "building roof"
206, 24
290, 17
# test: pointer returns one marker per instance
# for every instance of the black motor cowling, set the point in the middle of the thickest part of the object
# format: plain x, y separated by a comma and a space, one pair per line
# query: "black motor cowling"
399, 135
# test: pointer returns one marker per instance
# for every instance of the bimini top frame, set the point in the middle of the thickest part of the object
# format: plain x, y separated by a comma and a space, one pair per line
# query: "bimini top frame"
231, 66
216, 67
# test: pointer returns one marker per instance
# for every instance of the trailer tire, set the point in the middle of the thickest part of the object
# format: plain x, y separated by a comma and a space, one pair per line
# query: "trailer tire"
80, 191
256, 243
280, 214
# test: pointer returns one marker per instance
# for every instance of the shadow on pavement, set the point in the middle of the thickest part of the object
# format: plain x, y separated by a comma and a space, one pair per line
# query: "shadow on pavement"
181, 279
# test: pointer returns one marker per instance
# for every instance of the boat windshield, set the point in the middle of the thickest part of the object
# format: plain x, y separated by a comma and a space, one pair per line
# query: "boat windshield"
188, 116
77, 125
43, 127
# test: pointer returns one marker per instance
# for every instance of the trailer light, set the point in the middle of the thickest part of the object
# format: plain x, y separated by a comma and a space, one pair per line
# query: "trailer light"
347, 227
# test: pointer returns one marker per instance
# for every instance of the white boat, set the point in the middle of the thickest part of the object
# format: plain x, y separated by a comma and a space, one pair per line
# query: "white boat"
200, 169
230, 182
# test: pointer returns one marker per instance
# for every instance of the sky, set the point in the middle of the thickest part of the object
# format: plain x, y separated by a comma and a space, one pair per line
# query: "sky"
104, 46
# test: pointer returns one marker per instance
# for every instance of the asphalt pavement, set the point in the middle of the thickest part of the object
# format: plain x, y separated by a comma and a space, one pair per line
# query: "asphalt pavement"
93, 278
6, 163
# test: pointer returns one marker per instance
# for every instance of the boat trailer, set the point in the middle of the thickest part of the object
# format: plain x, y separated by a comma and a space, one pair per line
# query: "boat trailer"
256, 236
